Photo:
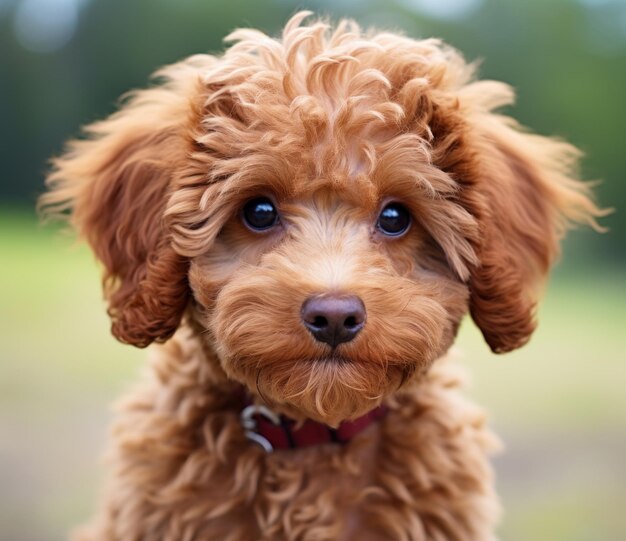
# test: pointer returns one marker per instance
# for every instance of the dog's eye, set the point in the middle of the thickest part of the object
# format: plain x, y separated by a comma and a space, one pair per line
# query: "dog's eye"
260, 214
393, 220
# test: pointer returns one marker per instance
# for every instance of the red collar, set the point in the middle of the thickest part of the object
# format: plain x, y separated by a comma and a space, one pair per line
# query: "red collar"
273, 431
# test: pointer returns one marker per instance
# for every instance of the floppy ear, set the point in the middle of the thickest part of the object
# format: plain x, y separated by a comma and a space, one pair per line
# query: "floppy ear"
525, 195
113, 187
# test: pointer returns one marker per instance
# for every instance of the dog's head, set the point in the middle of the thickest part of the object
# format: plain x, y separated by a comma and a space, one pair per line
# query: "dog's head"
327, 206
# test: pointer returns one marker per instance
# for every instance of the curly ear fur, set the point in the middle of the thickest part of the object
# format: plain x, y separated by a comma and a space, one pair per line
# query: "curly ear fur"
528, 193
115, 184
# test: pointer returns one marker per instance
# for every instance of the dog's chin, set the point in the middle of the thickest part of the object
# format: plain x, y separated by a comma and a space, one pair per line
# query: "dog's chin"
329, 390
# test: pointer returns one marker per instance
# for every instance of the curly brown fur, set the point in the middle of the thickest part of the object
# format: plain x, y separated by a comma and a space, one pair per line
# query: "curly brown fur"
330, 124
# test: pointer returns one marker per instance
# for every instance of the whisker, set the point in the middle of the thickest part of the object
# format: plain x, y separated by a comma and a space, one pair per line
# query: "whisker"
406, 304
407, 373
258, 387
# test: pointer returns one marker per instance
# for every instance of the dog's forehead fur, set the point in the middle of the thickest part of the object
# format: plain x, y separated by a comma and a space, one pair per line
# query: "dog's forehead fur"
336, 111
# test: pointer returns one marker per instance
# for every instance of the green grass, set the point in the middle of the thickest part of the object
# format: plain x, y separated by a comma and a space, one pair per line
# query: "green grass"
572, 372
559, 402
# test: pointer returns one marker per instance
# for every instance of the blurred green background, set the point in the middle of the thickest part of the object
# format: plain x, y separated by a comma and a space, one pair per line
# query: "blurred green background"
559, 403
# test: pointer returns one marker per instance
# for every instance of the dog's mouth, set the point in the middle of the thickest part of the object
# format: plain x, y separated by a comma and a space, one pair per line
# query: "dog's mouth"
329, 388
333, 358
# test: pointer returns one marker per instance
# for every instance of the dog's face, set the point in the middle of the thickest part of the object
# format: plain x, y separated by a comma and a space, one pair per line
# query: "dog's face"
325, 302
326, 208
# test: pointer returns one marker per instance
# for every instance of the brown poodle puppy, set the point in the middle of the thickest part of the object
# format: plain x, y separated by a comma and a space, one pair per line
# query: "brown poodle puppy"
304, 222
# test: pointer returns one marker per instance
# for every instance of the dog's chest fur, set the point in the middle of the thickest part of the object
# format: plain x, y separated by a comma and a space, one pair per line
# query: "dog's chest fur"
188, 472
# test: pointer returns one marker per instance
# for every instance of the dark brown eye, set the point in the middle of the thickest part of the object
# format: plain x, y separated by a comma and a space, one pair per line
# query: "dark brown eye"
393, 220
260, 214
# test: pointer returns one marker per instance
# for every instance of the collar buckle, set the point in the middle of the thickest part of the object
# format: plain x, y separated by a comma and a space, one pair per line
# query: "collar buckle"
251, 426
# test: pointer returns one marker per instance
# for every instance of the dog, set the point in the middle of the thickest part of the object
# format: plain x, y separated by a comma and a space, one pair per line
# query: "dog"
302, 223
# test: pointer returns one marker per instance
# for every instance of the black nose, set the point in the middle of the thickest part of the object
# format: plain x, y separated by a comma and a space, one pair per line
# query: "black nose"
333, 319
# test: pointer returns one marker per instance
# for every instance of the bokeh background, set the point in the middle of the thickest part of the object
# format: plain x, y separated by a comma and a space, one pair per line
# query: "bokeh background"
559, 404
